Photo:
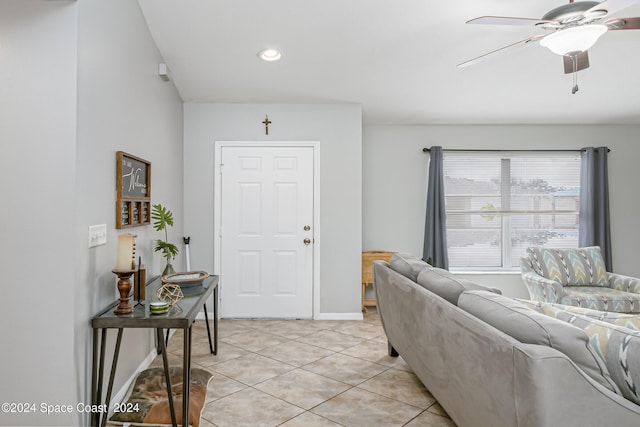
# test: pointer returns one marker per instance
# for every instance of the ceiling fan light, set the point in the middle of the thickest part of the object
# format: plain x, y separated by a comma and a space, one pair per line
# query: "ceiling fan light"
573, 39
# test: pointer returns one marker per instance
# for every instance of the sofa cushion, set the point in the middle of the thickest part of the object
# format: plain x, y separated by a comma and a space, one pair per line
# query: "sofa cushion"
447, 285
407, 265
573, 267
528, 326
618, 346
600, 298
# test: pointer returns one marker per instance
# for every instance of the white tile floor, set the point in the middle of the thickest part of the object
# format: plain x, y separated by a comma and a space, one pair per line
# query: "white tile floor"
307, 373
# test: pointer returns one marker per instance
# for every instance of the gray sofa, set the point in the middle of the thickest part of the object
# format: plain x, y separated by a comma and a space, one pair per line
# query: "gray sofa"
489, 360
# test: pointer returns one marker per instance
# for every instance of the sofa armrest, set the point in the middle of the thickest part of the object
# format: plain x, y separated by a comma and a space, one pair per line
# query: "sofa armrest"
552, 391
624, 283
542, 289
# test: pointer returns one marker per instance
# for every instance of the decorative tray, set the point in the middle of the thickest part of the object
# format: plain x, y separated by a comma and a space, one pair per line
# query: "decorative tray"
186, 279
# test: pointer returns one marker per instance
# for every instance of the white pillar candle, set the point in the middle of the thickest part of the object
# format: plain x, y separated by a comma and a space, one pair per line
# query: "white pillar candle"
124, 256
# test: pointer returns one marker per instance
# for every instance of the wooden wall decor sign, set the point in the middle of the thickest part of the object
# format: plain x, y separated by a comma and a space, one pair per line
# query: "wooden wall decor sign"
133, 201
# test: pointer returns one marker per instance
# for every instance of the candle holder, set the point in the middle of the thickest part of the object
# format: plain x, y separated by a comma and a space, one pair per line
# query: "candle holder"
124, 287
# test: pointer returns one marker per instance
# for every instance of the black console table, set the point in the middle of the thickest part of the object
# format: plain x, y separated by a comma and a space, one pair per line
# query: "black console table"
180, 316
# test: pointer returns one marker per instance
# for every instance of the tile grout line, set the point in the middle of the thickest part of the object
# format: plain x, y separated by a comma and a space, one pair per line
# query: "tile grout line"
361, 331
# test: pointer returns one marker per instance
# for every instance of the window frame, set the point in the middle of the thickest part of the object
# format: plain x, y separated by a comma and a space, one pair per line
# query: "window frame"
505, 211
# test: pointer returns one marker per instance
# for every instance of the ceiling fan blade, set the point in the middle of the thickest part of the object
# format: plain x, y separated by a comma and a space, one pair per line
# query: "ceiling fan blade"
497, 51
507, 20
623, 24
582, 62
611, 6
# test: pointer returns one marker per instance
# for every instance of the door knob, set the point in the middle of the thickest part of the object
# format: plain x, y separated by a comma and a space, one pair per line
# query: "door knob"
307, 241
307, 228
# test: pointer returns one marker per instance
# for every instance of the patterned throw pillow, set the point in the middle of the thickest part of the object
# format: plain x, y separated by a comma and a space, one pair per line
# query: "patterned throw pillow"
570, 267
629, 321
619, 347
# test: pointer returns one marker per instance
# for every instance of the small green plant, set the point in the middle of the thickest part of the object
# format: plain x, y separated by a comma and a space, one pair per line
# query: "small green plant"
163, 218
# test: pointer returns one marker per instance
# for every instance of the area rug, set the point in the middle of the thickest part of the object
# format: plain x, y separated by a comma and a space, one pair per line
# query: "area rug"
148, 403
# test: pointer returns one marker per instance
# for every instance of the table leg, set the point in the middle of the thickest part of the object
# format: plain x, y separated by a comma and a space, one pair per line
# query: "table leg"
167, 376
116, 353
215, 319
364, 288
94, 378
103, 343
100, 374
206, 322
186, 375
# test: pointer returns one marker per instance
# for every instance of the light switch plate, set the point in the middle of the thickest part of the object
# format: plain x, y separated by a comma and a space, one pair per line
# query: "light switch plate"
97, 235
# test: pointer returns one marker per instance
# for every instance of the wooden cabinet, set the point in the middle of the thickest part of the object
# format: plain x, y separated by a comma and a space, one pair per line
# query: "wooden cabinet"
367, 263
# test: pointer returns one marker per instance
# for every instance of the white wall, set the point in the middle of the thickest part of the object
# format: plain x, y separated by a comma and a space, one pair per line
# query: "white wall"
338, 128
122, 105
37, 169
395, 175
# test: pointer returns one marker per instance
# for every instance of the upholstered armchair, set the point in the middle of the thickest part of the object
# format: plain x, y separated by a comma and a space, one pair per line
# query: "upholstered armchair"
578, 277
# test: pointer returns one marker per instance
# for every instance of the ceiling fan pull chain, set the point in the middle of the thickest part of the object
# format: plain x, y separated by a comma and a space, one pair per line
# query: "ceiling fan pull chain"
574, 59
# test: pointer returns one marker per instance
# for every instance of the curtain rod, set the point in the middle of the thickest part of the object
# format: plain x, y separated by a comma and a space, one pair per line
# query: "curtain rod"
426, 150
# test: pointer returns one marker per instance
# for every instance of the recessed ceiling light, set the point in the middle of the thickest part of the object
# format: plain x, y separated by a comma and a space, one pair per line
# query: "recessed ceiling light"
270, 55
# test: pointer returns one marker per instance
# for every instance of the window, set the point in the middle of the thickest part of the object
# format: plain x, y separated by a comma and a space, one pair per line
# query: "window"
499, 203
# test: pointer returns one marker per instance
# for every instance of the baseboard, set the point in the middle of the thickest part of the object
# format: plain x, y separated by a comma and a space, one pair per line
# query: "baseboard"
340, 316
200, 316
321, 316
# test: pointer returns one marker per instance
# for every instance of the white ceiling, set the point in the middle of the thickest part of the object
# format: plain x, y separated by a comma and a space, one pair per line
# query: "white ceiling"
396, 58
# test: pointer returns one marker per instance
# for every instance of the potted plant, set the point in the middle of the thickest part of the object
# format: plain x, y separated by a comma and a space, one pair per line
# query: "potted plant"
163, 218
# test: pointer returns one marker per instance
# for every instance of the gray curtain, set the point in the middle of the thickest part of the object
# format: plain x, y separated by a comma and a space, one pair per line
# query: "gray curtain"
594, 202
435, 230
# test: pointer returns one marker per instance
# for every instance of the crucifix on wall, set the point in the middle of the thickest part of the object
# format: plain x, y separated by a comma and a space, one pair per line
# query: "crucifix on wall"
266, 123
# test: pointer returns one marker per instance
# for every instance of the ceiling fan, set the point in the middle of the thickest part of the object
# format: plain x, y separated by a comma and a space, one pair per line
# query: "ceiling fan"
571, 30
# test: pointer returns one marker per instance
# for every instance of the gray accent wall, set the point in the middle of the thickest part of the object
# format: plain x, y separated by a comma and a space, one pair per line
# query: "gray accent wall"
79, 82
123, 104
37, 218
338, 128
399, 197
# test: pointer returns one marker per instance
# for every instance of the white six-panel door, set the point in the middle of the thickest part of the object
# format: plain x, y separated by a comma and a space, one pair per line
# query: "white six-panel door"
267, 232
